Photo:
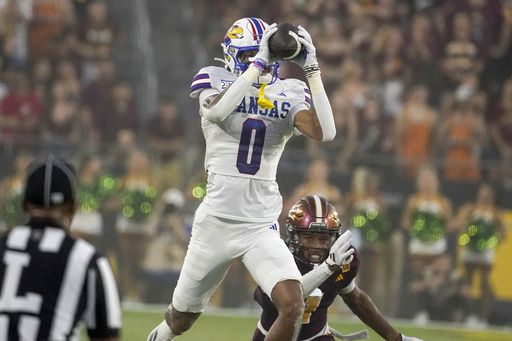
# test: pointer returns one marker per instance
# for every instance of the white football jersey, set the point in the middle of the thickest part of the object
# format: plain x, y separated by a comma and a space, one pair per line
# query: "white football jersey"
248, 145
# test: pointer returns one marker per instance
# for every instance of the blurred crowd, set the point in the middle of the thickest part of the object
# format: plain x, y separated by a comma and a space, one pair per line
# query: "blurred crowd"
421, 92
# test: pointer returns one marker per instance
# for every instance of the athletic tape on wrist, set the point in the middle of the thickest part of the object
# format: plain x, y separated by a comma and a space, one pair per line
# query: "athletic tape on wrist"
315, 83
260, 63
310, 70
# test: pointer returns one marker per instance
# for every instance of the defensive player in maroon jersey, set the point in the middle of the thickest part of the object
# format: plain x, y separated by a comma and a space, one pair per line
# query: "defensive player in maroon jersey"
314, 229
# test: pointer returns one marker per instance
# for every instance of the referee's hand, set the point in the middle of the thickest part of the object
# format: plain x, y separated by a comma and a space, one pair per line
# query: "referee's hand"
161, 333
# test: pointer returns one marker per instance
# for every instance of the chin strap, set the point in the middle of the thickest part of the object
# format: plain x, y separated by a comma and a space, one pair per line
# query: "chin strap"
222, 60
262, 101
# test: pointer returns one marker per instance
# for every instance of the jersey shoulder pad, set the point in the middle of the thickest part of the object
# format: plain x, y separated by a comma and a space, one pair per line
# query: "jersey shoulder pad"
297, 87
211, 77
293, 82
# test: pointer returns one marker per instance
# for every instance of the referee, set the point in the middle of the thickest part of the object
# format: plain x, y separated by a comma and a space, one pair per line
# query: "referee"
50, 282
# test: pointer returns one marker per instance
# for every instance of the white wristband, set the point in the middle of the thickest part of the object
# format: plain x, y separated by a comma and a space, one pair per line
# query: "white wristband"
322, 106
315, 277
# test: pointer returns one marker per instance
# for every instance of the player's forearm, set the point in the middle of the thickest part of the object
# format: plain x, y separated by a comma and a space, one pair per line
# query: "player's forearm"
322, 106
312, 279
226, 102
366, 310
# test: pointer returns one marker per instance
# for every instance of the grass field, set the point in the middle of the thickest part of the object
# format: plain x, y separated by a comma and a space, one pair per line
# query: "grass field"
233, 326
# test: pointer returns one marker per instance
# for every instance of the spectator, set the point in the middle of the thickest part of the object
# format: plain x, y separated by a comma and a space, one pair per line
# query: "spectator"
460, 53
166, 142
41, 77
414, 130
462, 139
20, 114
501, 124
15, 18
317, 181
120, 113
427, 217
167, 248
67, 73
98, 36
481, 224
341, 149
11, 192
374, 138
332, 47
51, 20
95, 187
372, 229
60, 132
97, 93
439, 293
138, 193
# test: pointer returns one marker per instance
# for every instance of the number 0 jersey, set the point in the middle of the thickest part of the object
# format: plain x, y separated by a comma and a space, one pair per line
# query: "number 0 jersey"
244, 150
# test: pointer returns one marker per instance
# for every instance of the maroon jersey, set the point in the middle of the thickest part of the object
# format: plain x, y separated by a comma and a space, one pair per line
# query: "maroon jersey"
317, 304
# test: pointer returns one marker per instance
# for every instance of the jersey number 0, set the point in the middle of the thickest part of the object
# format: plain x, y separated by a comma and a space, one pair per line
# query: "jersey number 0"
251, 146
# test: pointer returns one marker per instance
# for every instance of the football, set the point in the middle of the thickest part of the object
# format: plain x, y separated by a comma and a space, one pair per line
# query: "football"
284, 43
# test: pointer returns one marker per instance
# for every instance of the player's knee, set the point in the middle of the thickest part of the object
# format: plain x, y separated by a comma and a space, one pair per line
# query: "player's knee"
288, 298
293, 309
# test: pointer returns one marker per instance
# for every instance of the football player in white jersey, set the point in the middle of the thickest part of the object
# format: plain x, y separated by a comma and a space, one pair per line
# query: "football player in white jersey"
248, 115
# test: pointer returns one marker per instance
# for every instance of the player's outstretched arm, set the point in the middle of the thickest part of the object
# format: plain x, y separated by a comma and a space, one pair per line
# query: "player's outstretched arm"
362, 305
217, 107
319, 126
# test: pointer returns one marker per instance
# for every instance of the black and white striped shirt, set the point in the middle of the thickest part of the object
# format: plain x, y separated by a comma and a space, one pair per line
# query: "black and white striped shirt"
50, 284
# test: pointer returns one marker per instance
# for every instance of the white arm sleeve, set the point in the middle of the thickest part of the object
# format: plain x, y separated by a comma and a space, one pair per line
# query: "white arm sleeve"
314, 278
232, 97
322, 107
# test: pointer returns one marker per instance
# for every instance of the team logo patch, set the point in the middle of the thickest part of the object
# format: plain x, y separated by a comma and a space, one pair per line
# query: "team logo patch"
225, 83
236, 32
345, 268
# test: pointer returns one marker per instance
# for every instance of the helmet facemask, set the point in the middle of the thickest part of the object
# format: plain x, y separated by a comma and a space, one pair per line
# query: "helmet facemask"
313, 254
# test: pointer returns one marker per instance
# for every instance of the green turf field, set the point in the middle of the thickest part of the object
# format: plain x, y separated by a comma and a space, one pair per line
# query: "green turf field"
230, 327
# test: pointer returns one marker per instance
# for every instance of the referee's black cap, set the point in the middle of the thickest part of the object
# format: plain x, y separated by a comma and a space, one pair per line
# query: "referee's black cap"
50, 182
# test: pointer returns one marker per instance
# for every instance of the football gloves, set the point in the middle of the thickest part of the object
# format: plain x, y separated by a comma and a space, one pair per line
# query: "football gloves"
308, 60
262, 58
161, 333
340, 253
408, 338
